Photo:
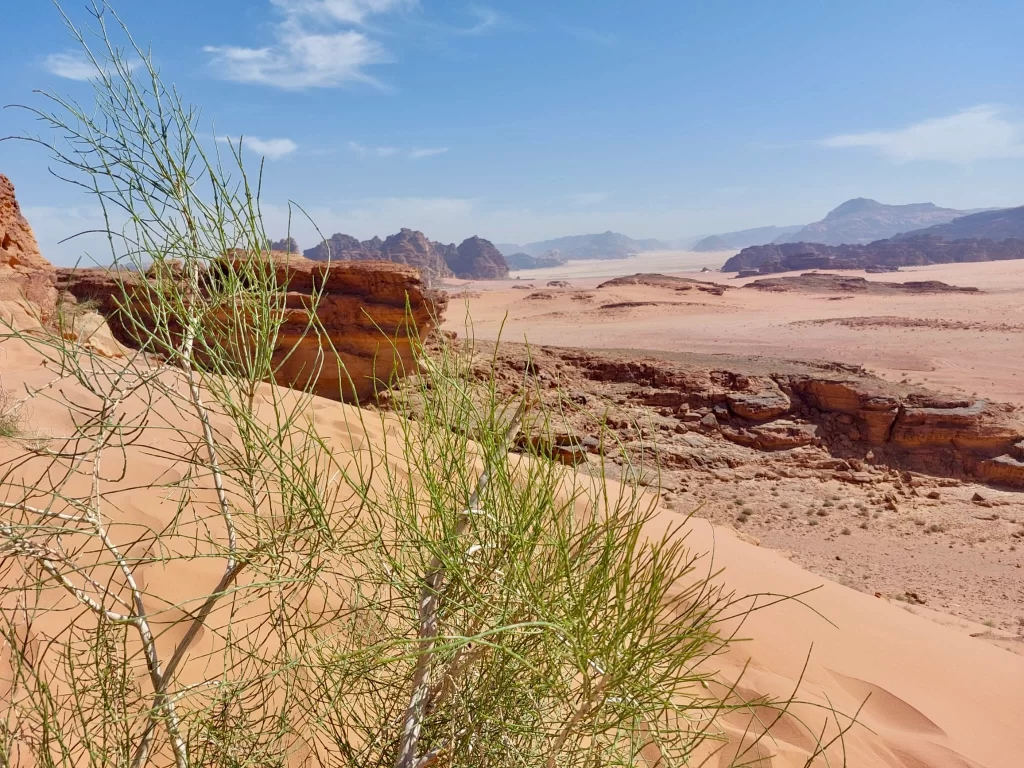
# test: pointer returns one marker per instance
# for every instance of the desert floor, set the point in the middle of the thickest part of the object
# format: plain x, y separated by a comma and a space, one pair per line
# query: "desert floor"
953, 342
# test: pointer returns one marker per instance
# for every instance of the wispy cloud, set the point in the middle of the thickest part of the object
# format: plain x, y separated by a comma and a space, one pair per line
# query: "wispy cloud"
344, 11
272, 149
592, 35
329, 43
364, 151
485, 19
73, 65
980, 133
427, 152
582, 199
316, 46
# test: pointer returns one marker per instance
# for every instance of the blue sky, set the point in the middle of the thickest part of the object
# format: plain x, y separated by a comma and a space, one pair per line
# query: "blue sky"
531, 119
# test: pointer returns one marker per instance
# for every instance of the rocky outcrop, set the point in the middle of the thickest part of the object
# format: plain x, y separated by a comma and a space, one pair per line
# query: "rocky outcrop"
24, 273
285, 245
526, 261
824, 282
477, 259
362, 310
903, 252
655, 280
829, 420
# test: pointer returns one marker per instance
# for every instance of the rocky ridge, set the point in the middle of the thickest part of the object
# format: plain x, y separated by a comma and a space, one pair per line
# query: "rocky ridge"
474, 259
903, 252
997, 225
824, 282
862, 220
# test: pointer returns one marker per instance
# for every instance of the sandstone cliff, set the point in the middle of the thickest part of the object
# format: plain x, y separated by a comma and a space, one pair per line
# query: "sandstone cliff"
362, 309
23, 270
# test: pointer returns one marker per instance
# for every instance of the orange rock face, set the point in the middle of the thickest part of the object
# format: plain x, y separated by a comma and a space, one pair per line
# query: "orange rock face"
18, 246
24, 273
371, 313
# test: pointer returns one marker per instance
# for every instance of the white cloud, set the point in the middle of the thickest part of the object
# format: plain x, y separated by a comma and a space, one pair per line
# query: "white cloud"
272, 149
978, 133
74, 65
427, 152
344, 11
313, 49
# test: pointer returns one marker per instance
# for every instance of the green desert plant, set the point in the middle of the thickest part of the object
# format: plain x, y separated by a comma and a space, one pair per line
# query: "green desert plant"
210, 570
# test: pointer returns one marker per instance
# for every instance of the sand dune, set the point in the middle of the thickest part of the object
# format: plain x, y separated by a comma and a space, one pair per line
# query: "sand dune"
930, 697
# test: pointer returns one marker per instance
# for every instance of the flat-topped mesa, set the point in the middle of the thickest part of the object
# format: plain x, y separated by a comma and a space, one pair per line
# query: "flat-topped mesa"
371, 313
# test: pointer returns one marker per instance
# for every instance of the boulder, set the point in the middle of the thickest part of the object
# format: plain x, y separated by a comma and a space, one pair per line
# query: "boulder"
362, 310
761, 402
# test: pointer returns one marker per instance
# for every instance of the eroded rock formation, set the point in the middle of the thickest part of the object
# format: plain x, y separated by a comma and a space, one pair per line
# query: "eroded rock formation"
665, 281
24, 273
824, 282
363, 309
475, 259
829, 420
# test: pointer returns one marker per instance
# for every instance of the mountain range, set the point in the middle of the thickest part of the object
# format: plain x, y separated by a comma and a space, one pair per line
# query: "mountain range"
474, 259
743, 238
994, 225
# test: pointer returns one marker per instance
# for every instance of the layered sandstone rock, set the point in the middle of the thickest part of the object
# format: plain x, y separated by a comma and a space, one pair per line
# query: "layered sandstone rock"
371, 313
826, 418
24, 273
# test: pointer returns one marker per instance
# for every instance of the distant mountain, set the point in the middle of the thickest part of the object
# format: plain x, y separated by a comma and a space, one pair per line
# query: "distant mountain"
476, 258
526, 261
910, 251
607, 245
743, 238
993, 225
712, 243
861, 220
507, 249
